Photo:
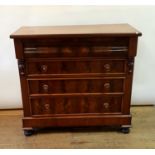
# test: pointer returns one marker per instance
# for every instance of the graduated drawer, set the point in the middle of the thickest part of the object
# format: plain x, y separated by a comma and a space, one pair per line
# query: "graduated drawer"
75, 66
72, 85
76, 105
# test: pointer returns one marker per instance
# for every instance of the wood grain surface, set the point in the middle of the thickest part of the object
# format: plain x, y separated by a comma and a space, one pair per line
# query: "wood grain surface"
105, 29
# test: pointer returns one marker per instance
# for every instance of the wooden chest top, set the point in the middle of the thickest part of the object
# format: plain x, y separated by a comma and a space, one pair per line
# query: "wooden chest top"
48, 31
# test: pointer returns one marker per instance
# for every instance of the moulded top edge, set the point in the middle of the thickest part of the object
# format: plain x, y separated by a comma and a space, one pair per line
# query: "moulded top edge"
100, 29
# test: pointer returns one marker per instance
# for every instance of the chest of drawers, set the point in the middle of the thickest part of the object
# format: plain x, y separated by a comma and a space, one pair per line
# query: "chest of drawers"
76, 75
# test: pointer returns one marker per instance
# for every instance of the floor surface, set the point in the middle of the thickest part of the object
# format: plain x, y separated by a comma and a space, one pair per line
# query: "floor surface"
142, 133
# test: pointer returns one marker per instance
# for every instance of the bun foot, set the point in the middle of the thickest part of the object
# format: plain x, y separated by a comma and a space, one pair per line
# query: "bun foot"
28, 132
125, 130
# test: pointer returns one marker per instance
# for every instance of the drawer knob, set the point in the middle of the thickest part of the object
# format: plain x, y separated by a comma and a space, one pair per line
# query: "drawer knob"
106, 105
45, 88
107, 67
44, 68
107, 85
47, 107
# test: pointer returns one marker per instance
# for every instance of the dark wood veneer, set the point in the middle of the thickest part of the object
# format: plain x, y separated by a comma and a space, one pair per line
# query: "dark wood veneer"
76, 75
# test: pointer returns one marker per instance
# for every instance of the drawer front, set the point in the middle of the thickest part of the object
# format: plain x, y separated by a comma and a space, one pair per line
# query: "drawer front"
76, 105
57, 86
83, 51
55, 67
76, 47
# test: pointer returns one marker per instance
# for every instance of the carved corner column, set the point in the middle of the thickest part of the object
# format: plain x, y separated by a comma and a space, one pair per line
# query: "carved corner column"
21, 67
130, 65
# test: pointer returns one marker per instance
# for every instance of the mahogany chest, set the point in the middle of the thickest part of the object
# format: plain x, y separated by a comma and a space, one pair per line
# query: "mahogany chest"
76, 75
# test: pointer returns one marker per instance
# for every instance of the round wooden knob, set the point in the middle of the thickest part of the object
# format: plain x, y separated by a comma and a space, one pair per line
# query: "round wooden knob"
45, 88
107, 85
106, 105
44, 68
107, 67
47, 107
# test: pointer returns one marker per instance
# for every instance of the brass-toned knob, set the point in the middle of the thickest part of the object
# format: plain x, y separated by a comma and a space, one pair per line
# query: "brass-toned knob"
107, 67
44, 68
107, 85
45, 88
106, 105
